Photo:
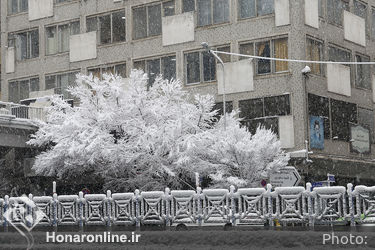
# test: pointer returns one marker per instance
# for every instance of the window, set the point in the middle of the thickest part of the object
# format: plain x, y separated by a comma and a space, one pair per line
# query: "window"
64, 1
366, 118
314, 52
57, 37
119, 69
373, 23
26, 44
264, 112
61, 83
320, 8
212, 12
188, 5
253, 8
335, 10
246, 49
156, 66
200, 66
17, 6
319, 106
360, 9
279, 50
110, 27
147, 19
363, 73
20, 89
342, 114
219, 106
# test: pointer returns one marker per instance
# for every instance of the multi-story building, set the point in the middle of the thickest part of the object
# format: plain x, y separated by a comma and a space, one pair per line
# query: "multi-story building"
45, 42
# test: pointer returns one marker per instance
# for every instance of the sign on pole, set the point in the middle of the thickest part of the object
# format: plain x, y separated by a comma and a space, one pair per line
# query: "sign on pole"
285, 177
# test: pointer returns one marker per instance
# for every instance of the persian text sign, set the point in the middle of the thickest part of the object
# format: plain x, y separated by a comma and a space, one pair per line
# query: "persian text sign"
360, 139
285, 177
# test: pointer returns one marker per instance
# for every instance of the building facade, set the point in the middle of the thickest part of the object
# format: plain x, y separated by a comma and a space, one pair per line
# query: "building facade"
44, 43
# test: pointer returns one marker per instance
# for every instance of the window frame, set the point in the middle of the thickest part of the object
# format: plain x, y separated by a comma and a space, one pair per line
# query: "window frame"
201, 64
101, 67
272, 54
212, 23
19, 11
29, 45
255, 10
356, 72
57, 42
17, 81
160, 58
98, 30
58, 89
147, 6
341, 24
321, 54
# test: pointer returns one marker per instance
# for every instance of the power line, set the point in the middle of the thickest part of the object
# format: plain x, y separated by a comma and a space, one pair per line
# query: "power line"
292, 60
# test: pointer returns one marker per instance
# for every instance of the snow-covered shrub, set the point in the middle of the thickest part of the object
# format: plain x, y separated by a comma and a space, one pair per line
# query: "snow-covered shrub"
135, 137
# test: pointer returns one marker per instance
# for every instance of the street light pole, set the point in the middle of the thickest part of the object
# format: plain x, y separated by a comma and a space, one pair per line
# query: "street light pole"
207, 48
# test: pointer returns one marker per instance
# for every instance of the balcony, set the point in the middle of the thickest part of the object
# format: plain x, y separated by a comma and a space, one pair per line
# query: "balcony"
12, 111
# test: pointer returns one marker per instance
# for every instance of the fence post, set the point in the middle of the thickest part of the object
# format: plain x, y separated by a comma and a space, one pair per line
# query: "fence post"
108, 209
54, 211
29, 211
270, 210
167, 207
233, 205
351, 205
6, 207
137, 216
199, 191
309, 205
80, 210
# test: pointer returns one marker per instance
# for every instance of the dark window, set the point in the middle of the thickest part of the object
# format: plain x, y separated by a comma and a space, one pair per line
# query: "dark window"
360, 9
140, 23
335, 10
246, 49
57, 37
224, 57
252, 108
17, 6
263, 50
110, 27
219, 107
271, 123
277, 105
212, 12
154, 67
20, 90
98, 72
209, 67
343, 113
246, 8
192, 67
147, 19
154, 20
366, 118
188, 5
26, 44
265, 7
319, 106
363, 73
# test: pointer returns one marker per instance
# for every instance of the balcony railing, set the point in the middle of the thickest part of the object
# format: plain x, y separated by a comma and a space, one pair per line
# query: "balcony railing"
22, 111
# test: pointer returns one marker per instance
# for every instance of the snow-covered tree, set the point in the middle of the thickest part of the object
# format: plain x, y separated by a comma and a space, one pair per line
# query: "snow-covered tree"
136, 136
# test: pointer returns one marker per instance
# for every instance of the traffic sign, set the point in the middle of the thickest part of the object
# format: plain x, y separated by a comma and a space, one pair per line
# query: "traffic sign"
285, 177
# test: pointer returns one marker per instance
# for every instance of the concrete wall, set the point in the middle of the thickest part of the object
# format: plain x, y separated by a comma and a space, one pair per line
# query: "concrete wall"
338, 79
82, 47
178, 29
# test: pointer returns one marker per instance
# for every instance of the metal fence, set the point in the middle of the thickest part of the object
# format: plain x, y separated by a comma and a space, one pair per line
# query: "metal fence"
244, 206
